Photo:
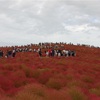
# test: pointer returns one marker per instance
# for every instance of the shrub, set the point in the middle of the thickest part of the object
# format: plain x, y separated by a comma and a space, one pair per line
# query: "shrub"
73, 83
19, 83
76, 94
95, 91
27, 70
56, 95
31, 92
69, 77
44, 77
35, 74
54, 83
9, 67
27, 96
88, 79
18, 78
5, 83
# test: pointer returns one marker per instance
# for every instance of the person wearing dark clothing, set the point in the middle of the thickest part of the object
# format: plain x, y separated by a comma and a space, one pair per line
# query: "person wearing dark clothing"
40, 52
1, 53
53, 52
69, 53
73, 53
8, 53
13, 53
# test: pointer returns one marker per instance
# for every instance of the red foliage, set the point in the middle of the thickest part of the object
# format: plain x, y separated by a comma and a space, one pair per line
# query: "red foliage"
82, 71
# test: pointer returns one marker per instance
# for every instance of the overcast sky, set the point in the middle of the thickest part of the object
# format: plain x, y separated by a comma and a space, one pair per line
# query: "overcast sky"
34, 21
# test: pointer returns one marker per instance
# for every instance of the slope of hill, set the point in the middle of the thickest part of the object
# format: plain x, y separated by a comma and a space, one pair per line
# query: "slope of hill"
30, 77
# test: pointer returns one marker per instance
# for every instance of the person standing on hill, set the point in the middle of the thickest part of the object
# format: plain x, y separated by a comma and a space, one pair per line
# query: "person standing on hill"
40, 52
1, 53
53, 52
13, 53
8, 53
73, 53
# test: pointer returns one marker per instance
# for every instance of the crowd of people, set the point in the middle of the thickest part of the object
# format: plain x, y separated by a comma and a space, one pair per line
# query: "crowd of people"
47, 50
8, 53
56, 52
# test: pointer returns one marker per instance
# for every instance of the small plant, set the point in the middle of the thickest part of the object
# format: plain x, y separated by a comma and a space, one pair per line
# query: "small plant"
26, 70
19, 83
61, 63
31, 92
88, 79
27, 96
73, 83
76, 94
18, 78
54, 83
69, 77
95, 91
5, 83
35, 73
9, 67
44, 77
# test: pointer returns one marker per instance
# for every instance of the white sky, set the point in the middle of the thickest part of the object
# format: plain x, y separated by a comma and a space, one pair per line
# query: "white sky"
33, 21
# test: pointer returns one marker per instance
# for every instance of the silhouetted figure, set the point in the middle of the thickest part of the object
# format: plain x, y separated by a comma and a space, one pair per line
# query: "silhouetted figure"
1, 53
73, 53
13, 53
53, 52
40, 52
8, 53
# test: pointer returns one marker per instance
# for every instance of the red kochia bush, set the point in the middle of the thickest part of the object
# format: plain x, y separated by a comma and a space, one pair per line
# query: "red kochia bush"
5, 83
55, 83
18, 78
44, 77
63, 75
